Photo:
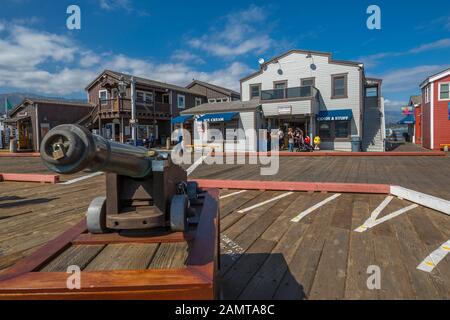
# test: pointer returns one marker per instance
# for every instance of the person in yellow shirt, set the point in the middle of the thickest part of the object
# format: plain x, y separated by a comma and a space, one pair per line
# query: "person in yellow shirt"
316, 143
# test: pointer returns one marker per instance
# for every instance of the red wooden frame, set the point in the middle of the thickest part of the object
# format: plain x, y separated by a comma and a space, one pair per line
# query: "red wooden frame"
29, 177
20, 155
336, 154
295, 186
195, 281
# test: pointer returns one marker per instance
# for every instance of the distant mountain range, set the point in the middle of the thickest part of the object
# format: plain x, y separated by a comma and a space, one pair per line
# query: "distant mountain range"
17, 97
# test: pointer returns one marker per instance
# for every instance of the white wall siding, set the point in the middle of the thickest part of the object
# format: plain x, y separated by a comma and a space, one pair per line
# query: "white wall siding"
297, 107
248, 123
296, 66
337, 145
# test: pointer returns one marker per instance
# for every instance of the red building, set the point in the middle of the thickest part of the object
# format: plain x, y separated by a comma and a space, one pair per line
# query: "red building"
415, 103
436, 111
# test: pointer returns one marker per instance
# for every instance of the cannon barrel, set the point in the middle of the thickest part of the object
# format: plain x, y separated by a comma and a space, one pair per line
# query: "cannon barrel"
70, 148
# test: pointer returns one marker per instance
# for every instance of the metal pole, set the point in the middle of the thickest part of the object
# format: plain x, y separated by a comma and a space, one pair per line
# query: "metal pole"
133, 110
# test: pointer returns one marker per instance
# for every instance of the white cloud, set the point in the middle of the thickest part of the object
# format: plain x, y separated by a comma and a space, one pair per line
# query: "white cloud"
440, 44
186, 56
25, 48
408, 79
51, 64
394, 104
89, 59
374, 59
116, 4
241, 34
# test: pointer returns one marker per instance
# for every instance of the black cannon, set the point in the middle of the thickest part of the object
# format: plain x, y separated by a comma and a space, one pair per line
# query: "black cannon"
144, 189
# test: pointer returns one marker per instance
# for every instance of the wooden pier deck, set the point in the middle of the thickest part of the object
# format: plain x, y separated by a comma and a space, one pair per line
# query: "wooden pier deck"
264, 255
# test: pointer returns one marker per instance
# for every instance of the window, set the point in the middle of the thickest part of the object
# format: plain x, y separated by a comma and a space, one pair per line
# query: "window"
325, 130
371, 92
426, 94
341, 129
330, 130
181, 101
148, 97
211, 100
280, 84
165, 98
255, 91
103, 96
140, 96
307, 82
198, 101
339, 86
444, 91
144, 97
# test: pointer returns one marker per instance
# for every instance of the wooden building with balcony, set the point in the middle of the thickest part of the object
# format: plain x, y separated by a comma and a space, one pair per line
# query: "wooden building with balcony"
156, 104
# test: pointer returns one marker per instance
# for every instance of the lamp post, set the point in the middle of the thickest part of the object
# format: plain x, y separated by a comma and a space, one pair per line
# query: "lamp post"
133, 111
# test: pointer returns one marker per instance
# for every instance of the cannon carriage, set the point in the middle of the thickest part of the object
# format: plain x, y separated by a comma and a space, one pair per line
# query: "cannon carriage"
144, 189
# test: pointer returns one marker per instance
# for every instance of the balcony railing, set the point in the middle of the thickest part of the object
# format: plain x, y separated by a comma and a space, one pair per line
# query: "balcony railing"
123, 104
288, 93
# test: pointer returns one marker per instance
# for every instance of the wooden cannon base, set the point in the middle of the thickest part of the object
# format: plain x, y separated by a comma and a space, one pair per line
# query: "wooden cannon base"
196, 279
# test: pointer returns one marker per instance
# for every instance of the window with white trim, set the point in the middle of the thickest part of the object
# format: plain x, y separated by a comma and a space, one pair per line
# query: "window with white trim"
103, 96
198, 101
444, 91
426, 93
181, 101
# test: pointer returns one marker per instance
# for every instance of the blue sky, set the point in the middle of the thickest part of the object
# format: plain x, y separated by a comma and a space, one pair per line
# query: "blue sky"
218, 41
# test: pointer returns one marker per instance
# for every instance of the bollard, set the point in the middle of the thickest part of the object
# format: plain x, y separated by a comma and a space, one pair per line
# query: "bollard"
12, 145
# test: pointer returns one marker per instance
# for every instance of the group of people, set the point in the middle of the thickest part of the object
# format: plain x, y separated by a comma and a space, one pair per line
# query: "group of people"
296, 140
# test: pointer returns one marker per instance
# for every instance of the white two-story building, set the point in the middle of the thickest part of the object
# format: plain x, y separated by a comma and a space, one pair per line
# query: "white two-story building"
322, 96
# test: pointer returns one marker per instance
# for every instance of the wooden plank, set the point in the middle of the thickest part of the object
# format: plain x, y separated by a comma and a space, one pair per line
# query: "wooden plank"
361, 252
295, 186
297, 283
266, 280
170, 255
116, 238
45, 253
235, 279
30, 177
123, 257
80, 256
119, 284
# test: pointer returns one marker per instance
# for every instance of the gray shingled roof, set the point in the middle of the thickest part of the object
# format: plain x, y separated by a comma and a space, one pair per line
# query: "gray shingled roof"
213, 87
51, 101
153, 83
224, 107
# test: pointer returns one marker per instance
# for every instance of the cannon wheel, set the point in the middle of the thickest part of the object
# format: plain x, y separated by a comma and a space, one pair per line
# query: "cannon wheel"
178, 212
96, 216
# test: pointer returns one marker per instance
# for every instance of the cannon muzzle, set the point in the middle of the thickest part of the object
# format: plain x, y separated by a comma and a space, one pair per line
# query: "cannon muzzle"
70, 148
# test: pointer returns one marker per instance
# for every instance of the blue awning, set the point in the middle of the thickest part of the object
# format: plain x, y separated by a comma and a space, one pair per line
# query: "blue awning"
409, 119
218, 117
182, 118
335, 115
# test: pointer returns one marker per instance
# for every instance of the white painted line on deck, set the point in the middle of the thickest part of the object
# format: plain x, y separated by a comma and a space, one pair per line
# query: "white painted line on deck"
434, 258
423, 199
195, 165
265, 202
374, 215
314, 207
370, 223
232, 194
82, 178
